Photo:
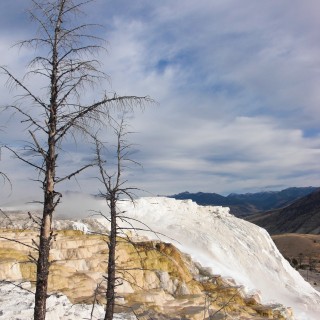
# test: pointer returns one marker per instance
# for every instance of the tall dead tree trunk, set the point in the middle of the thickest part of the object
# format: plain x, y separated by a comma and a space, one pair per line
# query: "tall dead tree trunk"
43, 263
111, 277
66, 68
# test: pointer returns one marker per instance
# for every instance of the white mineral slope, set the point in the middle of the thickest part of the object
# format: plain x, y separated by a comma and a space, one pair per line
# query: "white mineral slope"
229, 246
18, 304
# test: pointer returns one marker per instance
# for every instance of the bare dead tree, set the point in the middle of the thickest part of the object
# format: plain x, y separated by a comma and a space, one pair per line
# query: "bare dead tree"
114, 188
65, 65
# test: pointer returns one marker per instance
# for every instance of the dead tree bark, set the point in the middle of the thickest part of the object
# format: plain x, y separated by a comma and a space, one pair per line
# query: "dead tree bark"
110, 294
114, 189
66, 68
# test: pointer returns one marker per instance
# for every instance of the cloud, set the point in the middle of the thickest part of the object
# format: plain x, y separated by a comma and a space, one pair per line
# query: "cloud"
237, 87
247, 149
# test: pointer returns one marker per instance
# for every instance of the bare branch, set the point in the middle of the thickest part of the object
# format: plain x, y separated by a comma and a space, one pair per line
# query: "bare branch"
28, 117
74, 173
17, 241
39, 149
21, 85
119, 103
17, 285
25, 160
6, 179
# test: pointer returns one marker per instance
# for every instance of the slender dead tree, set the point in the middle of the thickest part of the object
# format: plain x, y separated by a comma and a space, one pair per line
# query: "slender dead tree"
64, 66
114, 188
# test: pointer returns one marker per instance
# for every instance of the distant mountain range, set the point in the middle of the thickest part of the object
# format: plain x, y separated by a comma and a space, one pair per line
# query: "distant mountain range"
302, 216
242, 205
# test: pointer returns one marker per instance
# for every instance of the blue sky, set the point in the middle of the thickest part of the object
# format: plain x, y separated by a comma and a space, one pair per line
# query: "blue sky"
237, 85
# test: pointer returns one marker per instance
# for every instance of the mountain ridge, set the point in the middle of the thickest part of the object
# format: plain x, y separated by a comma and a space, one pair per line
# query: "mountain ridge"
247, 204
302, 216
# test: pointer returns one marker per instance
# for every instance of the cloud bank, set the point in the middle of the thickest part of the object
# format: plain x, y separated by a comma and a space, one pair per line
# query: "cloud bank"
237, 87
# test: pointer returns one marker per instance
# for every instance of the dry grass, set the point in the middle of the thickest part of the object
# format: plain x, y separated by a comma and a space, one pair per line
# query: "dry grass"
292, 245
305, 249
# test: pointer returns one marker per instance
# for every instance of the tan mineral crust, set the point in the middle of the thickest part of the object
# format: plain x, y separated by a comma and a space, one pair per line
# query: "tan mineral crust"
156, 280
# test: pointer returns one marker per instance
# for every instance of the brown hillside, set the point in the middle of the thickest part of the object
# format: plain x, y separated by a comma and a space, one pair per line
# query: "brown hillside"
303, 216
303, 252
293, 244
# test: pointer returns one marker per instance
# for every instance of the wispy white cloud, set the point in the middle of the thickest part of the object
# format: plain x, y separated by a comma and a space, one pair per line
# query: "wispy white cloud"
237, 86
